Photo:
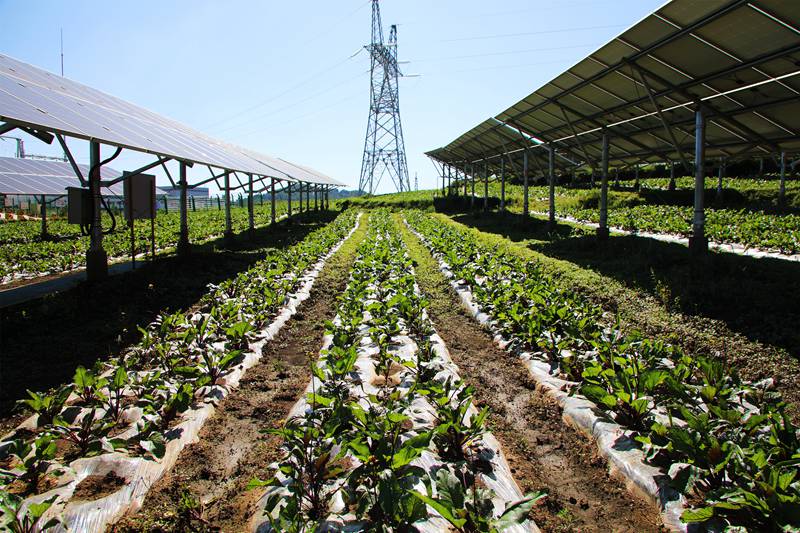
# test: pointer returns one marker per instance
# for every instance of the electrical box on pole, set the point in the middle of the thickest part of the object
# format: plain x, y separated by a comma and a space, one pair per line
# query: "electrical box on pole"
79, 206
139, 191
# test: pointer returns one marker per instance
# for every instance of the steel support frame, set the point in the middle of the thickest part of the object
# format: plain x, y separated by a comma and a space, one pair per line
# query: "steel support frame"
602, 230
96, 257
698, 243
184, 247
551, 221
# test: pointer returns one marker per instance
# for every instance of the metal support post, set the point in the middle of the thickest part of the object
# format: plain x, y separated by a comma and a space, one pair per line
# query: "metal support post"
96, 258
43, 210
672, 175
552, 182
525, 209
289, 198
251, 223
308, 197
228, 223
782, 190
485, 185
316, 205
472, 189
697, 242
183, 237
444, 180
602, 231
636, 182
503, 184
719, 178
272, 201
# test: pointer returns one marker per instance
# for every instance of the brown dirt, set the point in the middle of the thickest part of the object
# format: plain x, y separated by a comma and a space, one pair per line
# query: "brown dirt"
206, 490
97, 486
42, 341
542, 451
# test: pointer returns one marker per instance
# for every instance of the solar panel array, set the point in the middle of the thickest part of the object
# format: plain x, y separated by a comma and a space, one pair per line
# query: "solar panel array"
739, 59
31, 176
36, 98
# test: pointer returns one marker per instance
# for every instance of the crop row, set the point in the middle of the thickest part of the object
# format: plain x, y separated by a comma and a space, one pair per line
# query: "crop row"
129, 406
749, 228
387, 432
729, 445
23, 253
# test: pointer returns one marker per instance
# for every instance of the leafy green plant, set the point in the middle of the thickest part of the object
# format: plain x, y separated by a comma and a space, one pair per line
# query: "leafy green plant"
47, 406
19, 518
471, 509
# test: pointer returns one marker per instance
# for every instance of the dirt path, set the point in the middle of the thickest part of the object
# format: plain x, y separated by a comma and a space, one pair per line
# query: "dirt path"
206, 490
543, 452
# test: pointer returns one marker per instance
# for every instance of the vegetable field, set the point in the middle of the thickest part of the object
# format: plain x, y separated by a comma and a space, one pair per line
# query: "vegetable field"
24, 254
388, 434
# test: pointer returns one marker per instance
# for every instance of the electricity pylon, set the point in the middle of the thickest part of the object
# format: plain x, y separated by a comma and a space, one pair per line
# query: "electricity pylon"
384, 149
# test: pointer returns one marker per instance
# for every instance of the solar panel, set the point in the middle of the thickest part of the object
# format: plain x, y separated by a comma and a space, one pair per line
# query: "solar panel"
33, 97
31, 176
740, 59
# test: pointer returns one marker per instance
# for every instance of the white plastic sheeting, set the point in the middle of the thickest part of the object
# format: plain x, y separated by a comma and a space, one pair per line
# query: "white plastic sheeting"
141, 473
501, 481
613, 441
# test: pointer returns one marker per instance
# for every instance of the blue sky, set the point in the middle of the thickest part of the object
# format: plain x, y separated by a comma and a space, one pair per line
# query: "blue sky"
282, 77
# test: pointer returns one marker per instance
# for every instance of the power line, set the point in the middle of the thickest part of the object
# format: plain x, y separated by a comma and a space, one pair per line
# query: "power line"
305, 81
543, 32
293, 104
511, 52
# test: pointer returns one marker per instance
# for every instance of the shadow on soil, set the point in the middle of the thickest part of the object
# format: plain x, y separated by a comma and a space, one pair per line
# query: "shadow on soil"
42, 341
755, 297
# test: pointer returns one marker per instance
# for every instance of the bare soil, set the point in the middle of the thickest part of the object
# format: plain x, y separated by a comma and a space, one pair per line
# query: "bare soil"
97, 486
207, 488
544, 453
42, 341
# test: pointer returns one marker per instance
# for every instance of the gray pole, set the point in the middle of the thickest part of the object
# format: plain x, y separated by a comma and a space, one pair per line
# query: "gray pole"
272, 201
43, 209
228, 223
251, 223
485, 185
183, 238
472, 180
289, 199
719, 178
602, 231
316, 205
782, 190
464, 172
672, 175
503, 184
525, 210
308, 197
96, 258
698, 242
552, 168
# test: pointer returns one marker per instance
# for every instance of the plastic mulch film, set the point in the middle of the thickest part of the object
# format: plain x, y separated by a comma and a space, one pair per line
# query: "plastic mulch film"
140, 473
612, 440
422, 413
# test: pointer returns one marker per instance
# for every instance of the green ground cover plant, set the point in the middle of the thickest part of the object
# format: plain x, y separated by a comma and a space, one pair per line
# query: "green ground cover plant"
129, 404
362, 447
730, 443
23, 253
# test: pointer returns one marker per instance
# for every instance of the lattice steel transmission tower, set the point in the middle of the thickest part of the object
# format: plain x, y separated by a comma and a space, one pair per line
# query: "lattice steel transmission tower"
384, 149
